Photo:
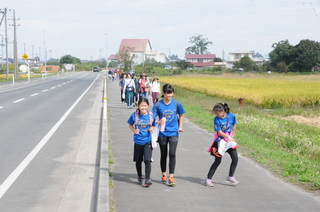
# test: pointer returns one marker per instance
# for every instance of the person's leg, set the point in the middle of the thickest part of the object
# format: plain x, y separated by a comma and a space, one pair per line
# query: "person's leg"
163, 144
127, 98
153, 98
138, 158
147, 155
173, 143
234, 161
121, 96
214, 167
156, 96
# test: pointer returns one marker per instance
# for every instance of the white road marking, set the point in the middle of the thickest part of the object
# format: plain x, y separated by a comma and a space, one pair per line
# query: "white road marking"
19, 100
34, 94
16, 173
45, 90
59, 85
1, 107
53, 87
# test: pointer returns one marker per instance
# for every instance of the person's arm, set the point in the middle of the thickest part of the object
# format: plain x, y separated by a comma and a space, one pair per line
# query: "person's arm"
181, 120
135, 131
220, 133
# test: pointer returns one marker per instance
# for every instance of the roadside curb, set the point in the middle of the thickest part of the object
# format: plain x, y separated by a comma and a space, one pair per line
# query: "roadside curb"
103, 178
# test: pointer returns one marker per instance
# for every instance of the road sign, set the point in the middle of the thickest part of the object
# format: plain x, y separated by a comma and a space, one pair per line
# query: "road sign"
25, 56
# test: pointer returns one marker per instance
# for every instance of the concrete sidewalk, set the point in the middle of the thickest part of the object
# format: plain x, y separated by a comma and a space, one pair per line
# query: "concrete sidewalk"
258, 190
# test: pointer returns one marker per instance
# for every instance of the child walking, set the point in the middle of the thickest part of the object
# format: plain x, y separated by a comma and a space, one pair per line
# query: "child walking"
173, 112
141, 123
225, 128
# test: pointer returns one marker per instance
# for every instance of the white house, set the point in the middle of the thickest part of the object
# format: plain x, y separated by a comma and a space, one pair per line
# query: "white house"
142, 51
237, 55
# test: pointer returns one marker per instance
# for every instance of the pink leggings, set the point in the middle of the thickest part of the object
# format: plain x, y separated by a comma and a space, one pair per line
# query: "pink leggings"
155, 96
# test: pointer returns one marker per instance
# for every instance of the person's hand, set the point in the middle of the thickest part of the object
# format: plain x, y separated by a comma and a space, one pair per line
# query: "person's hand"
230, 139
180, 130
151, 130
136, 131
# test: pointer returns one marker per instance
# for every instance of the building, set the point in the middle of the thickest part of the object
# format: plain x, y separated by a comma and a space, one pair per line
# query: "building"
237, 55
201, 60
49, 68
142, 50
113, 58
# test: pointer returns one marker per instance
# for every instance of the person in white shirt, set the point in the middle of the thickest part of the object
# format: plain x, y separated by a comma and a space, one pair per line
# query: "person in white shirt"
129, 89
155, 89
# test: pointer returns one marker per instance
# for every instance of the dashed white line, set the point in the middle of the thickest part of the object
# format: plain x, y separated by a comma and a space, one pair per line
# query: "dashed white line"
1, 107
45, 90
53, 87
59, 85
34, 94
19, 100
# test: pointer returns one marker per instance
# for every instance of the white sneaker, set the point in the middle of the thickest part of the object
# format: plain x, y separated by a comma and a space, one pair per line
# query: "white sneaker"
232, 180
208, 182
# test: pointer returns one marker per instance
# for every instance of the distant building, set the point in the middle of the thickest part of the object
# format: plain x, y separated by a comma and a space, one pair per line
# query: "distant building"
113, 58
142, 51
237, 55
50, 68
201, 60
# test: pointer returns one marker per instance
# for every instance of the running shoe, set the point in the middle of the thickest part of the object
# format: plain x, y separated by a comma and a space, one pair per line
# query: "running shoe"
208, 182
147, 183
164, 180
172, 181
232, 180
140, 180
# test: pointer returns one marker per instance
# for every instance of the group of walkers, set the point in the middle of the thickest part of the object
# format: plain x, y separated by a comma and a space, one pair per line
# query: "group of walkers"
133, 89
169, 114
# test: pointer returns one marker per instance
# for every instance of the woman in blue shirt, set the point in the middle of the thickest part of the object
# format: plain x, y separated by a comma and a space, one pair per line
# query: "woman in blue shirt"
172, 111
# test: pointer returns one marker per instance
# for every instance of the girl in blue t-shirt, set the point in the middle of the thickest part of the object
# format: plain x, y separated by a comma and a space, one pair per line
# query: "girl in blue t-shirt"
172, 111
141, 123
225, 127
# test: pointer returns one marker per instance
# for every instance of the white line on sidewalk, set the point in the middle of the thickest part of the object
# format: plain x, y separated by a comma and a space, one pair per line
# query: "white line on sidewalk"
19, 100
16, 173
34, 94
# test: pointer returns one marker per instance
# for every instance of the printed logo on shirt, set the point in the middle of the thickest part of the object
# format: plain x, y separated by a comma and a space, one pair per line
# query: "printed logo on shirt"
144, 125
169, 114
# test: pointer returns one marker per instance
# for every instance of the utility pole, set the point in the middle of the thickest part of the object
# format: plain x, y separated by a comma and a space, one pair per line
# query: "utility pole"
45, 52
6, 40
15, 51
2, 45
32, 53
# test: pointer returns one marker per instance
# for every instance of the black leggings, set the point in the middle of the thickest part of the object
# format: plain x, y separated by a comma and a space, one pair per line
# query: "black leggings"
234, 157
147, 168
163, 143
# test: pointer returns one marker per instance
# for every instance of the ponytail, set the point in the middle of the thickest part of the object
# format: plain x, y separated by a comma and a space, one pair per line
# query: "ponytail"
221, 107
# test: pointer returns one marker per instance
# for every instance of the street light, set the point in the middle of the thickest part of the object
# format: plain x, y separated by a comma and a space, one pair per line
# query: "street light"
106, 51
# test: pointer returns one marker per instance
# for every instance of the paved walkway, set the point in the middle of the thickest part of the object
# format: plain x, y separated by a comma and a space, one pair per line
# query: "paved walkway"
258, 190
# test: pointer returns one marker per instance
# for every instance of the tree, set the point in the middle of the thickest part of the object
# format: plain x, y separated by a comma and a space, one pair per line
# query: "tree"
174, 57
200, 45
283, 52
307, 55
68, 59
257, 55
217, 59
125, 56
246, 63
184, 64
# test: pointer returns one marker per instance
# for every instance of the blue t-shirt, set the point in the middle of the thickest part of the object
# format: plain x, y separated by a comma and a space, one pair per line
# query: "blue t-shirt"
225, 125
171, 112
144, 136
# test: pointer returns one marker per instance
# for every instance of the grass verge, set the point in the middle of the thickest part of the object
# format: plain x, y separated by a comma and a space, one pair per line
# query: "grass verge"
290, 150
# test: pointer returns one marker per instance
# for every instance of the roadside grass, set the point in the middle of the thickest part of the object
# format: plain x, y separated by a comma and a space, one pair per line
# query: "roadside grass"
290, 150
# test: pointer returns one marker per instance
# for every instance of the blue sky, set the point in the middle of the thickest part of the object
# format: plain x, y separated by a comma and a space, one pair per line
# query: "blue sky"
79, 27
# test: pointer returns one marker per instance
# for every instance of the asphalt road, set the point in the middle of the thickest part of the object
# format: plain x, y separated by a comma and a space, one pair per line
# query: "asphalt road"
42, 126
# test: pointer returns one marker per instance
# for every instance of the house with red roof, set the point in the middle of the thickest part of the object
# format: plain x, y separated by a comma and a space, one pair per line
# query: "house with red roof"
201, 60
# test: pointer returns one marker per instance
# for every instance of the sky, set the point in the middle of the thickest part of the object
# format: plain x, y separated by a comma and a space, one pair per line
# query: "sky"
93, 29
